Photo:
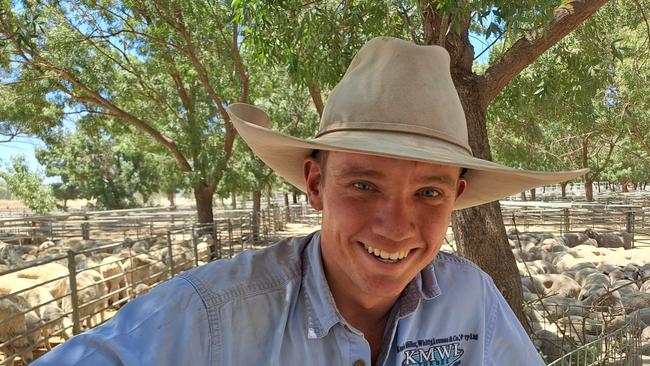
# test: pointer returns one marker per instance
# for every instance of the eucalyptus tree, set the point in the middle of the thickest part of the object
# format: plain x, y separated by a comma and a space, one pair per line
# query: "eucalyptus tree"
291, 111
316, 40
98, 167
27, 186
162, 69
555, 114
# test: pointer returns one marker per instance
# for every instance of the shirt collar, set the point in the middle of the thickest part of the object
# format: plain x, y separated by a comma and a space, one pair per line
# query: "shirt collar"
321, 310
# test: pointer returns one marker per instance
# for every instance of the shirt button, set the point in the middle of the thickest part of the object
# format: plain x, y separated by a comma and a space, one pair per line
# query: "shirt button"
359, 363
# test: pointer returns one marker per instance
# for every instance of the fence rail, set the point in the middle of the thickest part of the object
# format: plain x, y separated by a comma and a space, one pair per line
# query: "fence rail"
54, 298
620, 347
577, 217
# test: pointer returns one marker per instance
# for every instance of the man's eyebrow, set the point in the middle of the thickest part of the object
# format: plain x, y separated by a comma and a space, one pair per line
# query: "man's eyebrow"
443, 179
357, 171
354, 171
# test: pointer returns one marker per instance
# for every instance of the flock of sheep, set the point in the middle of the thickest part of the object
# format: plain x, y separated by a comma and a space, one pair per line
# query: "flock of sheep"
35, 292
567, 279
583, 285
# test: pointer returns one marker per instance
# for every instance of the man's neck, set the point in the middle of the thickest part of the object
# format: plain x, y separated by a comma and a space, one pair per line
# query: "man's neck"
368, 315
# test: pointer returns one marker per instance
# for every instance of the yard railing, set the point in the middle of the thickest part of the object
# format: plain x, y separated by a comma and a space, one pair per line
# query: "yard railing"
621, 347
565, 217
59, 296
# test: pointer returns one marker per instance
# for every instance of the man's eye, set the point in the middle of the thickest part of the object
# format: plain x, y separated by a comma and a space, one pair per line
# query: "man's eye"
362, 186
428, 192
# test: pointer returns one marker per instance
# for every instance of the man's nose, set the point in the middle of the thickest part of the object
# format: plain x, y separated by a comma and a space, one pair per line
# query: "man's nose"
394, 219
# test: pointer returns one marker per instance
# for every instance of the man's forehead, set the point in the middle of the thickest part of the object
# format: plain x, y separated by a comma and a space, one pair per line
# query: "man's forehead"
344, 164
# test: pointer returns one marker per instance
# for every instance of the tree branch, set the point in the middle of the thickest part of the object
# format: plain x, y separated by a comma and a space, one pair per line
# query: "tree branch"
91, 96
314, 91
205, 81
239, 65
528, 48
645, 18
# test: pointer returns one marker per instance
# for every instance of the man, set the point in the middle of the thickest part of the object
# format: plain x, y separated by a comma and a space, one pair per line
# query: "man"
389, 164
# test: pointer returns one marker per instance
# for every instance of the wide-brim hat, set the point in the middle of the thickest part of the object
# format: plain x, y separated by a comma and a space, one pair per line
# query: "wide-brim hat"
396, 100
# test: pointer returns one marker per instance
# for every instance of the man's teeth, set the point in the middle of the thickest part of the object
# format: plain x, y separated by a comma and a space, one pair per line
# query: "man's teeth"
388, 256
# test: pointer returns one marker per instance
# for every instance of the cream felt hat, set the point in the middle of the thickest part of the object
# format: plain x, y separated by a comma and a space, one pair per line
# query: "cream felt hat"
397, 100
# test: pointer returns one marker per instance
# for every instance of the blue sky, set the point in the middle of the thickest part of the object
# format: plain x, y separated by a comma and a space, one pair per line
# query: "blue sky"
27, 145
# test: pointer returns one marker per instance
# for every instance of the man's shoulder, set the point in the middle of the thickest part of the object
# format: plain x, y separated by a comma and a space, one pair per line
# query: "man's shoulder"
449, 259
250, 272
460, 274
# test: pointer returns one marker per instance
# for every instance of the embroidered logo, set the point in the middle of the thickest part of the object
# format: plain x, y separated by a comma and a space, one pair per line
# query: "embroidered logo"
435, 351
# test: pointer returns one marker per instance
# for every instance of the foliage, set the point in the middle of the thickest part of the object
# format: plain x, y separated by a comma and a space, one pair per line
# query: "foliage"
150, 69
28, 186
581, 104
95, 166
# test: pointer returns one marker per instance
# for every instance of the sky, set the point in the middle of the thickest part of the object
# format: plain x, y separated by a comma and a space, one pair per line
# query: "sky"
26, 146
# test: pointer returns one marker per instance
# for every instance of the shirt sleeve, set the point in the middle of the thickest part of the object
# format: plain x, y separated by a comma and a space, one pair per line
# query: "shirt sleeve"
168, 326
507, 342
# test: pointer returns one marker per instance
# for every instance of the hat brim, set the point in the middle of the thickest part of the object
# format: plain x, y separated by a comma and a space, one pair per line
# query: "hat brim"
487, 181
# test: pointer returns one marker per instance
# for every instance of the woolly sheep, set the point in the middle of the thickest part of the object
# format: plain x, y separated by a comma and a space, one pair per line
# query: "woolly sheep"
46, 245
15, 323
47, 272
91, 287
113, 272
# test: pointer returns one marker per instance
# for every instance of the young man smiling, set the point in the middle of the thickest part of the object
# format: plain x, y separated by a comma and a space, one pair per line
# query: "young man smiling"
388, 165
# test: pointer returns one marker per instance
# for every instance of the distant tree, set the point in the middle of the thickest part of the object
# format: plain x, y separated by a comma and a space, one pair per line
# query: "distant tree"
97, 167
166, 71
28, 186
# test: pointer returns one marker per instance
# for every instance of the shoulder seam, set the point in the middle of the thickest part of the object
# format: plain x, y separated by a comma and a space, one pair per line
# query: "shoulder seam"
454, 259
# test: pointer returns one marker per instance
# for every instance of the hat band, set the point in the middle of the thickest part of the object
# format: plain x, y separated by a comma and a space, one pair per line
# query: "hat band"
392, 127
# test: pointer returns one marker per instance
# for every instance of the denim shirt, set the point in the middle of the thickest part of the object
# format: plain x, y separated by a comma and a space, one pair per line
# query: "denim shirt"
274, 307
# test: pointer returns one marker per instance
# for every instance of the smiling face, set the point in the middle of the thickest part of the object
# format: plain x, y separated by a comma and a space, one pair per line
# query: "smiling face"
383, 219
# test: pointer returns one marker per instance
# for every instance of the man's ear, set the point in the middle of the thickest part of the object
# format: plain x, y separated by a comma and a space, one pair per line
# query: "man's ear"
312, 173
461, 186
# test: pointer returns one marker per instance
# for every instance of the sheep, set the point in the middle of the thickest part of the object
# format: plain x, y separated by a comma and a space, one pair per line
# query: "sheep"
10, 284
57, 324
18, 330
40, 299
140, 289
113, 272
142, 268
47, 272
181, 256
45, 245
91, 287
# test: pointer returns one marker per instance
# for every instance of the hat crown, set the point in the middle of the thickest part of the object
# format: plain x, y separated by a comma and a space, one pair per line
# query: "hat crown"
395, 85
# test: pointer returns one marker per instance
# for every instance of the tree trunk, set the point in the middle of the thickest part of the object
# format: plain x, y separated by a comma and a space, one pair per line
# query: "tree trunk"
533, 193
294, 197
287, 213
255, 224
486, 244
563, 188
624, 187
523, 196
589, 188
203, 196
170, 197
233, 200
268, 200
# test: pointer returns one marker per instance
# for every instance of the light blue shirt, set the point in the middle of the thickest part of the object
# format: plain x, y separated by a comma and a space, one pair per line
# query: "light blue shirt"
274, 307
